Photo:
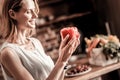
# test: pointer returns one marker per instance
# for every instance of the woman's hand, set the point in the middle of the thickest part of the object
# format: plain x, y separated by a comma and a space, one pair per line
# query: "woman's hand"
67, 48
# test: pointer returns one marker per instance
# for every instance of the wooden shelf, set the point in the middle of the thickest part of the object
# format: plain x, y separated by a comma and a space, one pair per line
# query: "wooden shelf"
41, 4
64, 18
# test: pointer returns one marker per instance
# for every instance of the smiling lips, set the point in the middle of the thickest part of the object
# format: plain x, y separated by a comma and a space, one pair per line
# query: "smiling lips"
32, 22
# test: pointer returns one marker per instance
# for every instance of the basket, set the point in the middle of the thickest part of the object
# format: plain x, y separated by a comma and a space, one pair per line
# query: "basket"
98, 58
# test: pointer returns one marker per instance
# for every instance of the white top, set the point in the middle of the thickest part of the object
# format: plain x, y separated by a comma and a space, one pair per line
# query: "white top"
36, 61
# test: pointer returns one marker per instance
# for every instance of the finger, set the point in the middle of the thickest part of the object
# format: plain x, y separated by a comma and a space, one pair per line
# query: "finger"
69, 49
77, 42
64, 41
70, 46
70, 42
75, 45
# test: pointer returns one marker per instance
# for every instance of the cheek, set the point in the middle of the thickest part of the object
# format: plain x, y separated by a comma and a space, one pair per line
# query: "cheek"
26, 17
23, 19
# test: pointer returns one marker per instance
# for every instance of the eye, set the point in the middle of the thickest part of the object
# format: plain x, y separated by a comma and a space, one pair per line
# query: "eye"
28, 11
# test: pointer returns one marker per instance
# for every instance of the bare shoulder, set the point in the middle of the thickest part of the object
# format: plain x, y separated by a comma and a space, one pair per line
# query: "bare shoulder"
13, 65
7, 54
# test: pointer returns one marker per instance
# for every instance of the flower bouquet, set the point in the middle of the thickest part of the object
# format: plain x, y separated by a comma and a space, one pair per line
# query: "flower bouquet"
103, 50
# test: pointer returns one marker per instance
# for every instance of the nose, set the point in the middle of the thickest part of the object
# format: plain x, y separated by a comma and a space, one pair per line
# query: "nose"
35, 15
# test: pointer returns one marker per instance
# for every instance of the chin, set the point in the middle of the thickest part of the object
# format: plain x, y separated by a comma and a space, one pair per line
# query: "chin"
31, 25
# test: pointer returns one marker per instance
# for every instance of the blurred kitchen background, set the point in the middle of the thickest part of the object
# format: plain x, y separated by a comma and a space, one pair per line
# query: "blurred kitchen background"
91, 17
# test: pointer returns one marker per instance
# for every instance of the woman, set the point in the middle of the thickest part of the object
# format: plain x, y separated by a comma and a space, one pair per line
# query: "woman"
22, 56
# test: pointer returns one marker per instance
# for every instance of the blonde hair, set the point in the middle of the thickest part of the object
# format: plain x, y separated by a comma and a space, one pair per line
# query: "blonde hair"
8, 27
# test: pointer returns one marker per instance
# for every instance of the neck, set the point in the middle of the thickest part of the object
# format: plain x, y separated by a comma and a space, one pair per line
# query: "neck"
19, 38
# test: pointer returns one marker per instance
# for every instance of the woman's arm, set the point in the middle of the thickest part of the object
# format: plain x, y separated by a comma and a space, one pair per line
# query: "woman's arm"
13, 65
62, 75
65, 51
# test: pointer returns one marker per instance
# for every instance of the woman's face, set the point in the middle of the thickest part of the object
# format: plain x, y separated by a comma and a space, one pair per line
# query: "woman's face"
26, 16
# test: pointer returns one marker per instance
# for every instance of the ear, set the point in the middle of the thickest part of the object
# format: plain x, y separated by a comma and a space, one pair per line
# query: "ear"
12, 14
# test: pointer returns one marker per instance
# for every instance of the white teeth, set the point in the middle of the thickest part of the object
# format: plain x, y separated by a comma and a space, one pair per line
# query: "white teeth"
32, 22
